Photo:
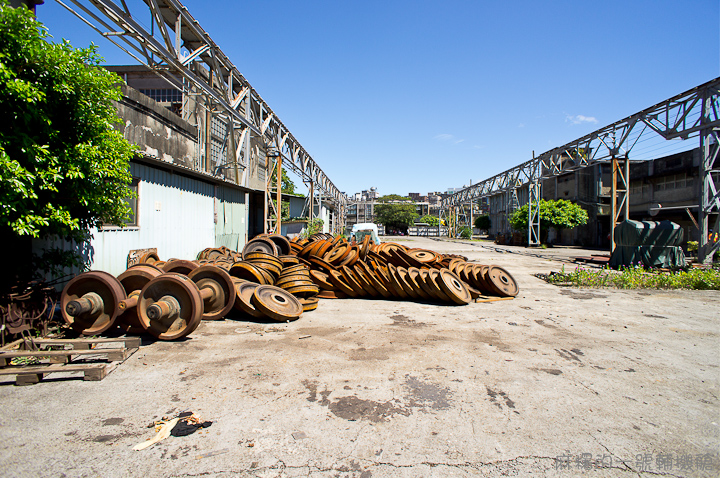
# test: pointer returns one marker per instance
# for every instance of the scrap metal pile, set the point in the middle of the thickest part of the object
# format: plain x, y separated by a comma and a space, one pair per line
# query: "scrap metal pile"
272, 278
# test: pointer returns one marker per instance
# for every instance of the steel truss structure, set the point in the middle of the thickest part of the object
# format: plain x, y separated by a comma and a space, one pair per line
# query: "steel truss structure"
214, 92
692, 114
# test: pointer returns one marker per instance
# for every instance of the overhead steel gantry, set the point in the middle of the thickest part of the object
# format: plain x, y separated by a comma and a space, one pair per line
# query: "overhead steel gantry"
692, 114
178, 49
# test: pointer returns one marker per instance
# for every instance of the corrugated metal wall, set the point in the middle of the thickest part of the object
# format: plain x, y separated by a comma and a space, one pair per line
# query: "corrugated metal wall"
175, 215
178, 215
231, 227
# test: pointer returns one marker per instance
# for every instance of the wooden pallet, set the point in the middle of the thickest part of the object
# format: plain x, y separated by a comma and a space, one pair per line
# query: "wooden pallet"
489, 298
61, 360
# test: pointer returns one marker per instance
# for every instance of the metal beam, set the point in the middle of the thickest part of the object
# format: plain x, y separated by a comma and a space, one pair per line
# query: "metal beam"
695, 112
190, 60
709, 167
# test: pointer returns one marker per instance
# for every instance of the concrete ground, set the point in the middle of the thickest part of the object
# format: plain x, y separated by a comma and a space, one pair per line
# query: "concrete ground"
557, 382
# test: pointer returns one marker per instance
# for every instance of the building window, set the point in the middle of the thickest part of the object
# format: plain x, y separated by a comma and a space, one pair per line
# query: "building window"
673, 181
133, 203
163, 95
637, 188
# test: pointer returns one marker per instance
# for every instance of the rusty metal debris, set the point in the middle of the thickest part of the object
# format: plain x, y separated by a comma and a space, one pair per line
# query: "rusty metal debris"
272, 277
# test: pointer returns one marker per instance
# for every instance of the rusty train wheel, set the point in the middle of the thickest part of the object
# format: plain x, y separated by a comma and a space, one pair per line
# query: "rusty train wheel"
89, 302
353, 281
245, 291
282, 244
429, 287
413, 277
149, 258
260, 244
338, 281
453, 287
309, 304
170, 306
502, 281
133, 281
374, 280
220, 283
431, 281
276, 303
304, 290
180, 266
321, 280
247, 271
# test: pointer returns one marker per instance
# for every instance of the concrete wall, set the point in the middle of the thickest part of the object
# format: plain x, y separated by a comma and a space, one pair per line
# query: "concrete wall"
156, 131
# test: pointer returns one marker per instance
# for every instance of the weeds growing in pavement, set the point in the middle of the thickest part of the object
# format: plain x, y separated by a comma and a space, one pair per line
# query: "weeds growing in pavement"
639, 278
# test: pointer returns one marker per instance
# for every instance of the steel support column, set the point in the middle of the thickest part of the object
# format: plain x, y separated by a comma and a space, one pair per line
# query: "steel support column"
512, 206
311, 198
709, 196
534, 213
471, 218
619, 195
278, 195
272, 160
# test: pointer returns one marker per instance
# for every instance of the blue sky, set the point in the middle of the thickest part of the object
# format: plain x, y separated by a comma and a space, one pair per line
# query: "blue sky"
419, 96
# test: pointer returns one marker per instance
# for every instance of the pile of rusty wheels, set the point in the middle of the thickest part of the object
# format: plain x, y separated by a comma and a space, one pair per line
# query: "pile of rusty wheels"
271, 278
168, 305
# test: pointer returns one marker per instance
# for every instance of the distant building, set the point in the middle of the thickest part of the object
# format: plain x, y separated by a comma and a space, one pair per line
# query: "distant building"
671, 181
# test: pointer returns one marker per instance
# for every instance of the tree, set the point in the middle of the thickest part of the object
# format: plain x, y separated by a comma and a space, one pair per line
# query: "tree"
428, 219
63, 167
483, 222
395, 216
560, 214
393, 198
286, 184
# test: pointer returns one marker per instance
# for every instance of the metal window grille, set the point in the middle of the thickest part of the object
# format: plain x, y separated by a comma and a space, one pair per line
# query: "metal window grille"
163, 95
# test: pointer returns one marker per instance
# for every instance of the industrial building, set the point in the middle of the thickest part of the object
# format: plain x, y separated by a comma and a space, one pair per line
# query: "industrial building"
665, 188
189, 196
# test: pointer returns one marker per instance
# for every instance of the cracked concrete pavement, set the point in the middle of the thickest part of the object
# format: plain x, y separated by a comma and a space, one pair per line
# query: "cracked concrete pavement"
556, 382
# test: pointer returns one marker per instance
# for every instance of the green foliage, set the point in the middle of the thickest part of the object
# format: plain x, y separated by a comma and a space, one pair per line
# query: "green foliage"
429, 219
639, 278
466, 232
482, 222
692, 246
286, 184
63, 168
398, 216
285, 211
394, 197
314, 227
560, 214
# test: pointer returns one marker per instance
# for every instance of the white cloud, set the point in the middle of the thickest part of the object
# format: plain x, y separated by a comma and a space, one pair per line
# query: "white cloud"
579, 119
448, 138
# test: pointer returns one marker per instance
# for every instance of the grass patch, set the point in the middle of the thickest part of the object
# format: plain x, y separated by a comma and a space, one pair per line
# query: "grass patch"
638, 278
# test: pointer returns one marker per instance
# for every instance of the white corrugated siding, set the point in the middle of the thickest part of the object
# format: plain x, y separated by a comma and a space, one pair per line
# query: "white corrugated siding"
231, 227
176, 215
